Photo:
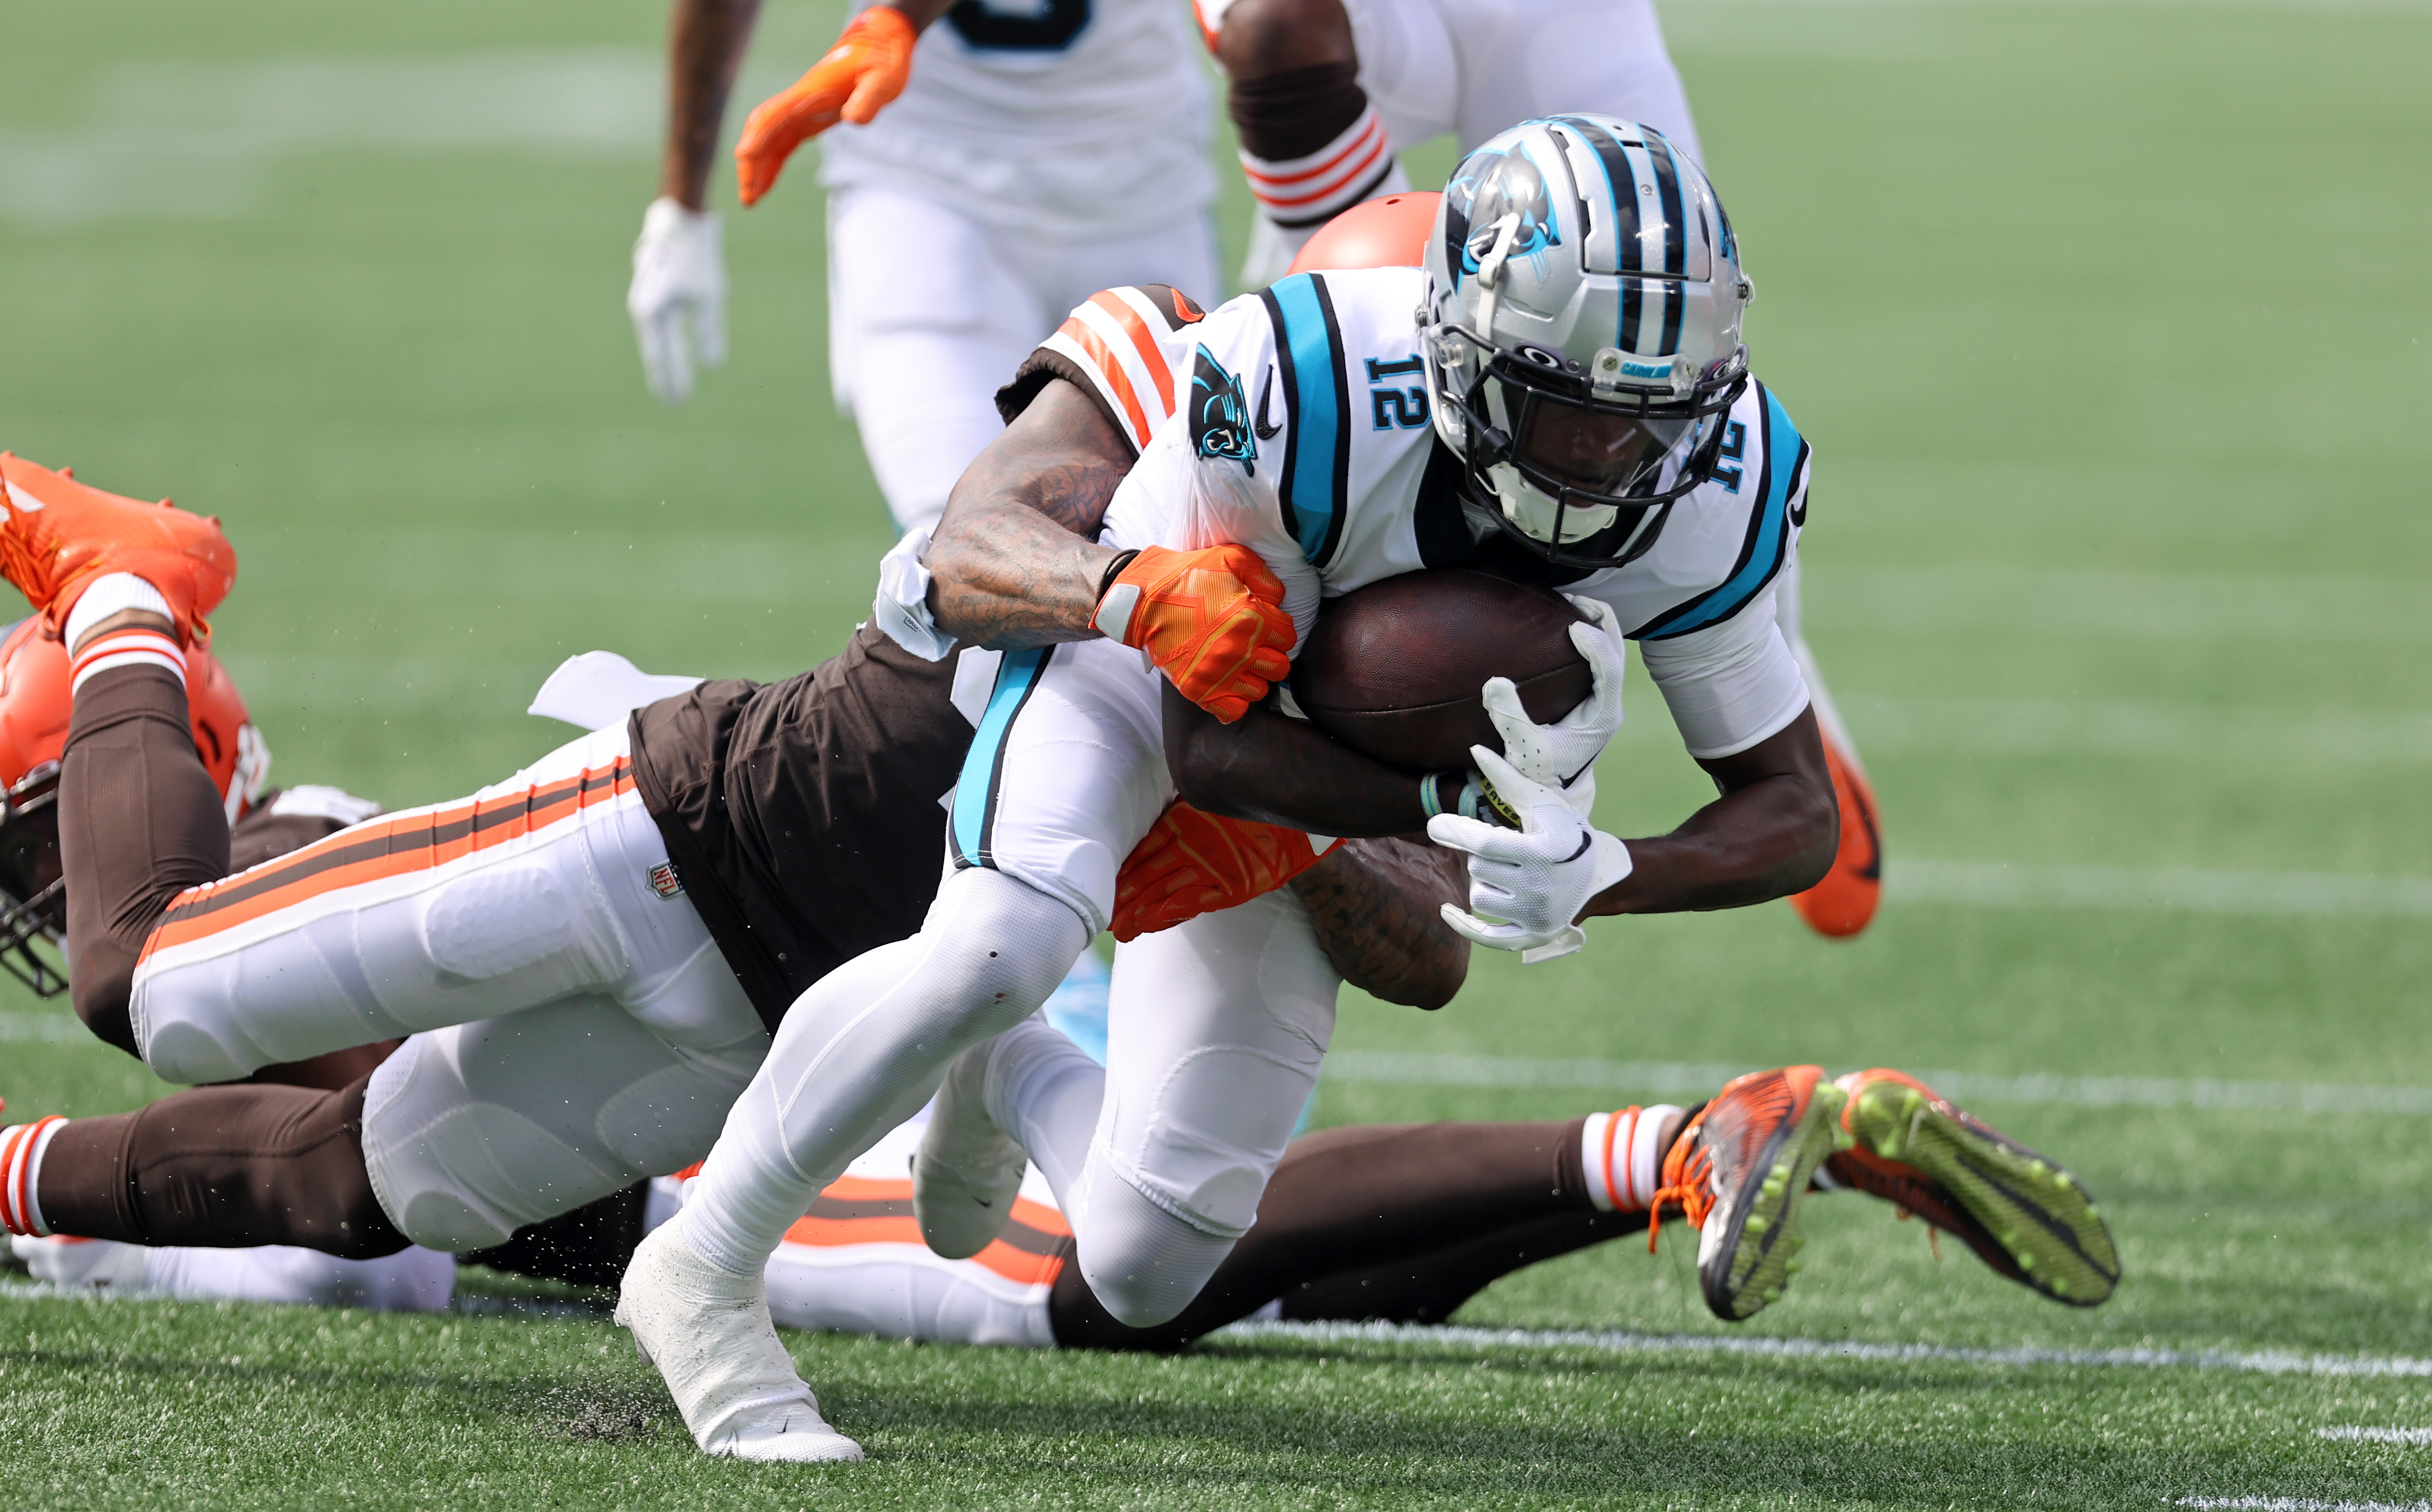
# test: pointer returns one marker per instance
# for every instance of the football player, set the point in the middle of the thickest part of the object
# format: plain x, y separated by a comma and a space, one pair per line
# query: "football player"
1026, 156
1322, 91
1583, 418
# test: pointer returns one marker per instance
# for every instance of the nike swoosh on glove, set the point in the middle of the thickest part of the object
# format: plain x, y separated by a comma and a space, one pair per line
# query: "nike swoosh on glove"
1563, 755
1193, 861
1527, 885
678, 298
1211, 620
861, 75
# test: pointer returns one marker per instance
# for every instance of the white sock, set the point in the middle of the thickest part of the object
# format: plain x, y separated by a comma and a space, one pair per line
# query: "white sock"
22, 1146
1045, 1091
1623, 1160
110, 593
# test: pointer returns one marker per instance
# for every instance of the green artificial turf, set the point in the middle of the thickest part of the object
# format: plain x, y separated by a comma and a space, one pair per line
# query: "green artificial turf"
2107, 321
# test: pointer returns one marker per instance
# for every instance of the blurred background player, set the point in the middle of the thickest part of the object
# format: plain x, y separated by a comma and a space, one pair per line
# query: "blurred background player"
1325, 92
990, 166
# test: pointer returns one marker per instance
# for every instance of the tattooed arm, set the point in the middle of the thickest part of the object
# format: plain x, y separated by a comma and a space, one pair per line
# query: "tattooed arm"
1375, 904
1014, 561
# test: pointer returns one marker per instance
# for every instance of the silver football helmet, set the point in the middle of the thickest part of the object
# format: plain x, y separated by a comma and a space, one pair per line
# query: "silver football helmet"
1582, 331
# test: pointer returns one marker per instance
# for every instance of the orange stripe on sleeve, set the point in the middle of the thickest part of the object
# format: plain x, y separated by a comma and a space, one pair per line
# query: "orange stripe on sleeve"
1145, 342
1117, 383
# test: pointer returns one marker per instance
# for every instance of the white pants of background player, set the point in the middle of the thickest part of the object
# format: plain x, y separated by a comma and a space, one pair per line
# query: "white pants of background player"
574, 1028
930, 311
1473, 67
1216, 1028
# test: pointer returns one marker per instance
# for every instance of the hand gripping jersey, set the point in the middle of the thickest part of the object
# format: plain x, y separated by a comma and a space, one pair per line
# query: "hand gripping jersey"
1294, 421
1067, 119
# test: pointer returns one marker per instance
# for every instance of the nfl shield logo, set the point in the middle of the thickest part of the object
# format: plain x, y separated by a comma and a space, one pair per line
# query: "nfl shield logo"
665, 882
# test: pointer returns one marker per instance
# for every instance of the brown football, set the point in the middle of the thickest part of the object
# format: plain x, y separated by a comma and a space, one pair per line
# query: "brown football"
1393, 670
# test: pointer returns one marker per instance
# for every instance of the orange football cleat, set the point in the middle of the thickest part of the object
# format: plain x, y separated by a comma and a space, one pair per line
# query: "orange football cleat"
1192, 863
2024, 1215
57, 535
1739, 1172
1844, 902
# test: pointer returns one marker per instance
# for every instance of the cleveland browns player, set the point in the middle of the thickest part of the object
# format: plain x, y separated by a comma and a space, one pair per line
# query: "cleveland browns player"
1412, 1221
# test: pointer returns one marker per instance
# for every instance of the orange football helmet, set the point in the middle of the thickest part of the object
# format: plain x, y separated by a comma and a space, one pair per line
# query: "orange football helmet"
1380, 233
35, 706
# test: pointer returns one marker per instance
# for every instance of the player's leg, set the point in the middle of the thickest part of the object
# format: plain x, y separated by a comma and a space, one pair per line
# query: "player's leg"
1215, 1035
414, 1279
1523, 58
1065, 774
1844, 902
1313, 145
925, 324
532, 891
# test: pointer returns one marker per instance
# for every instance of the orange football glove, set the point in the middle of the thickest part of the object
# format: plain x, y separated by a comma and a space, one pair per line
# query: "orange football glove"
1844, 902
1213, 620
1191, 863
860, 75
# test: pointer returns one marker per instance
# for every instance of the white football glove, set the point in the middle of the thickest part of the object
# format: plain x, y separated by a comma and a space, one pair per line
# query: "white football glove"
1527, 885
678, 298
1563, 755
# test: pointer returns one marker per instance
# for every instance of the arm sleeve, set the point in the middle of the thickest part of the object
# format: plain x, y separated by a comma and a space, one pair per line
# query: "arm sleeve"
1729, 685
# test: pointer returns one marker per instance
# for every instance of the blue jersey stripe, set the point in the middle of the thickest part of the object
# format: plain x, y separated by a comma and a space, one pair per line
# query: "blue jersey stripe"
1317, 456
973, 821
1768, 536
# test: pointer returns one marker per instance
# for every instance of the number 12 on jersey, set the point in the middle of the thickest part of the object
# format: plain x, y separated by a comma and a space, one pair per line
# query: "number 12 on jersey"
1397, 408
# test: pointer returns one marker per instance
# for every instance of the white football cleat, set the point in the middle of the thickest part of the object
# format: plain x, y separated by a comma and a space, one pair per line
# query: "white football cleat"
83, 1265
967, 1171
708, 1332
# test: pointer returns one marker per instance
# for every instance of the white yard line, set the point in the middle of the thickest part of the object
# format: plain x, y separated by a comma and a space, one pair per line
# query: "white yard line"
42, 1027
2298, 1503
2378, 1435
1693, 1080
1623, 1342
2155, 889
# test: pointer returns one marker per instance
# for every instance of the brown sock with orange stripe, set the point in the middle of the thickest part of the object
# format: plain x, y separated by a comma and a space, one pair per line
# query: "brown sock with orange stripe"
221, 1166
140, 821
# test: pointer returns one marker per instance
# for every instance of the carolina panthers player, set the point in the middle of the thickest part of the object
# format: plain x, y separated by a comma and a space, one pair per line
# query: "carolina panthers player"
991, 164
1561, 396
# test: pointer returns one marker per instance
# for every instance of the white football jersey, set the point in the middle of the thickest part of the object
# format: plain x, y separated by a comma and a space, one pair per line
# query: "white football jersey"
1294, 422
1065, 119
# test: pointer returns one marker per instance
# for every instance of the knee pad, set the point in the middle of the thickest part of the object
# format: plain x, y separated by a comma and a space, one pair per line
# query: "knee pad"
1005, 941
1145, 1263
456, 1173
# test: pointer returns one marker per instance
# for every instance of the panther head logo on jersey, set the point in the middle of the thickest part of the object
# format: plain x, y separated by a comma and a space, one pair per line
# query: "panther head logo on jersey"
1220, 416
1490, 187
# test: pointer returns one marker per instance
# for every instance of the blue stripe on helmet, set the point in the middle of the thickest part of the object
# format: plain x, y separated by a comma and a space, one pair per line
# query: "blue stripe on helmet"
973, 825
1768, 536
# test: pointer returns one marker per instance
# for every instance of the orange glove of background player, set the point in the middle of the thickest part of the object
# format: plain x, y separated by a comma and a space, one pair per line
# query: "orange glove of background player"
1212, 620
861, 73
1192, 863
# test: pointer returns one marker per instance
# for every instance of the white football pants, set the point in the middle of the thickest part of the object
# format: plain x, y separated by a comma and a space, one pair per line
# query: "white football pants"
930, 311
575, 1029
1215, 1032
